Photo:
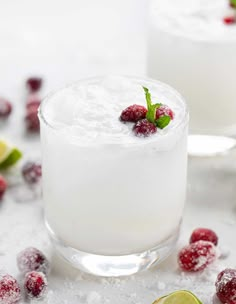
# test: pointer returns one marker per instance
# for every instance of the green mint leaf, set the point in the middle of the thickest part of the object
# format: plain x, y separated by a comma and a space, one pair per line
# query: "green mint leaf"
158, 105
148, 97
151, 113
163, 121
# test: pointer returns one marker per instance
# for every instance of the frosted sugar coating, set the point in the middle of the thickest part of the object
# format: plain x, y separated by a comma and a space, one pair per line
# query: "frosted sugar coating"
9, 289
90, 110
195, 19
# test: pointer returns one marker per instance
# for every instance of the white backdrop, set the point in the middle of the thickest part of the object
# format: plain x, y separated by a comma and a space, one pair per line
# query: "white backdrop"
67, 40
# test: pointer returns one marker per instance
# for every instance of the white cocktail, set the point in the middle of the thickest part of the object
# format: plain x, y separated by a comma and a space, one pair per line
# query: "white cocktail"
192, 49
113, 201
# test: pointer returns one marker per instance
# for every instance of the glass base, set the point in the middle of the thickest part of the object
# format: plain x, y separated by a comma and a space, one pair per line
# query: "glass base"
114, 266
209, 145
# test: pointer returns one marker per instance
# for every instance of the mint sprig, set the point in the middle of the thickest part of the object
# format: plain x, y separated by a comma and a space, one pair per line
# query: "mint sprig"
163, 121
148, 97
151, 113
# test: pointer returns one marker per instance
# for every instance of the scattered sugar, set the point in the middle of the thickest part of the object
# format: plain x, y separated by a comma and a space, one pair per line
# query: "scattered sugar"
22, 193
94, 298
133, 295
230, 221
161, 285
202, 260
224, 253
137, 289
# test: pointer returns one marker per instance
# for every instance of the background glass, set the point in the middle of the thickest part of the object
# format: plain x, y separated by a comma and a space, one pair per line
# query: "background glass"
192, 49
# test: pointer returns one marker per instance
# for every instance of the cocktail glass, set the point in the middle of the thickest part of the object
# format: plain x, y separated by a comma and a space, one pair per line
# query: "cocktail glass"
113, 202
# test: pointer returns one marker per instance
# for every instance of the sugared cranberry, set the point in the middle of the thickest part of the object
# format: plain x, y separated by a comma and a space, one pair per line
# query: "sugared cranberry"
133, 113
34, 84
164, 110
32, 120
3, 186
32, 259
204, 234
35, 284
5, 108
32, 172
229, 20
9, 290
196, 256
32, 106
144, 128
226, 286
33, 103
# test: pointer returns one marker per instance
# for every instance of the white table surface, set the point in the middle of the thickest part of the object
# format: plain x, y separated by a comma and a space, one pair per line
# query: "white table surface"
63, 43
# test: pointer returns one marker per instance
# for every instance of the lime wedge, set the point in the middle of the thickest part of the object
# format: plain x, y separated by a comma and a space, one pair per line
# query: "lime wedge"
4, 150
179, 297
8, 155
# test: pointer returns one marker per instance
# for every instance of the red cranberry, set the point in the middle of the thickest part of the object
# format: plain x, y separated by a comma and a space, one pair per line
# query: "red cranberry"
204, 234
229, 20
5, 108
32, 107
196, 256
32, 172
3, 186
133, 113
33, 103
144, 128
164, 110
9, 290
34, 84
32, 120
35, 284
226, 286
32, 259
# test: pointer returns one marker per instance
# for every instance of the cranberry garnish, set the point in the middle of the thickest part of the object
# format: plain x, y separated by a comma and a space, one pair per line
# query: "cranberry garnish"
34, 84
226, 286
144, 128
164, 110
3, 186
5, 108
32, 172
33, 102
35, 284
133, 113
32, 259
196, 256
9, 290
204, 234
229, 20
32, 120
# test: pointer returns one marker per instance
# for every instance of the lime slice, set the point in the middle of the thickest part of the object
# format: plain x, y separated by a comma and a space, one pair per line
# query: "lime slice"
4, 150
179, 297
8, 155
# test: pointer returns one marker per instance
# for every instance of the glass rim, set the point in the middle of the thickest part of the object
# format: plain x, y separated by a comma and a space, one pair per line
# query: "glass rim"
47, 98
